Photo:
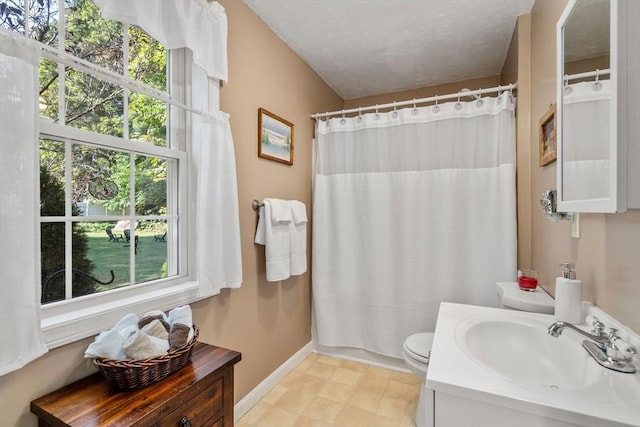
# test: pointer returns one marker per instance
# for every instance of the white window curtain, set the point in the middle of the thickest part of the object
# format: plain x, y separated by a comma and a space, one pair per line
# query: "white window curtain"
410, 208
585, 157
200, 26
22, 339
197, 24
215, 202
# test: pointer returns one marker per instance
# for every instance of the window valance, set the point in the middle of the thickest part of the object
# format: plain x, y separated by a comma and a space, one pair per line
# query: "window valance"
195, 24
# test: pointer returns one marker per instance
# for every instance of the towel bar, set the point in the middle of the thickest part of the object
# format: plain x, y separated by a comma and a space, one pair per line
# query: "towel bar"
256, 205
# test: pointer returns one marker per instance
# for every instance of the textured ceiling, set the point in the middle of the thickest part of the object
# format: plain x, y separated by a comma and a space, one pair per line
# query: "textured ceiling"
369, 47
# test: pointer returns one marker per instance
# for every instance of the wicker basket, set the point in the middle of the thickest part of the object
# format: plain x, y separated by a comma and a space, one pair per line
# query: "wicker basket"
137, 373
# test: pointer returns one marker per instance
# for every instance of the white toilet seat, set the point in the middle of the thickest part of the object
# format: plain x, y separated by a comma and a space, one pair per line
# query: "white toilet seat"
418, 346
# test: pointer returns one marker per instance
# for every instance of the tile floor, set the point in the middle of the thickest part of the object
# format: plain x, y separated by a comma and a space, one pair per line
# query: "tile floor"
326, 391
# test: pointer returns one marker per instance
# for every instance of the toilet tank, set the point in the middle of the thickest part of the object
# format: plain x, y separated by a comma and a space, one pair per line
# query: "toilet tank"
511, 297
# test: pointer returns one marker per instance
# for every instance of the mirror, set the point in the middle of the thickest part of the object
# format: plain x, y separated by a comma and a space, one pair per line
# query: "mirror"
586, 93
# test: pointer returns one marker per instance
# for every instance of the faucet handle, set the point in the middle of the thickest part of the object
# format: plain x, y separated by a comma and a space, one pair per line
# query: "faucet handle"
619, 348
597, 325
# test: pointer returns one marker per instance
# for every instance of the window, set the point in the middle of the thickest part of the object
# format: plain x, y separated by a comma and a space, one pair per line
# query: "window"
113, 169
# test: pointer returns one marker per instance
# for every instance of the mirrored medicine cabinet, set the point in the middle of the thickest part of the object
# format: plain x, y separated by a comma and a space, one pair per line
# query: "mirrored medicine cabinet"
598, 106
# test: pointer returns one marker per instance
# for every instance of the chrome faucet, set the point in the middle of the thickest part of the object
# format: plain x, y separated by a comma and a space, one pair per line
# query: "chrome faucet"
556, 329
609, 350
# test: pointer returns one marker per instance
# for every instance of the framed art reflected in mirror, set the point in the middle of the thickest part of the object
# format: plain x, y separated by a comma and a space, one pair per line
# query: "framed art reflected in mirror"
547, 141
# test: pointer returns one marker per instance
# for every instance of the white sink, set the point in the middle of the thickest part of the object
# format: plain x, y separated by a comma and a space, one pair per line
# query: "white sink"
507, 358
521, 350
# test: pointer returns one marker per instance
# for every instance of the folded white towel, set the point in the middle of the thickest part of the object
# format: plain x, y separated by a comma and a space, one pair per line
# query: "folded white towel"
275, 237
107, 344
280, 211
138, 345
181, 321
298, 211
298, 238
128, 320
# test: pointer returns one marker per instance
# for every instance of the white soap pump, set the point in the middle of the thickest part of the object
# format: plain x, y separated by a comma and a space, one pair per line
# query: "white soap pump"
568, 305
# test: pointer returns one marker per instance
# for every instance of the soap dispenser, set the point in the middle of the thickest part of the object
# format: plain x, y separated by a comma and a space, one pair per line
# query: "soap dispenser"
568, 305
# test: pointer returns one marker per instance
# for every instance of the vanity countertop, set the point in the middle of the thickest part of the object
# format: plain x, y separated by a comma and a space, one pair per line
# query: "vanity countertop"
604, 397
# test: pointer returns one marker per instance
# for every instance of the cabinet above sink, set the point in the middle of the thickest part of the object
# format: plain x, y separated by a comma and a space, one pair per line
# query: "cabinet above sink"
598, 106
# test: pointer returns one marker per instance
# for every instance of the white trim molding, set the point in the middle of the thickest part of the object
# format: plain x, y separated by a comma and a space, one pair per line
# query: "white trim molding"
261, 390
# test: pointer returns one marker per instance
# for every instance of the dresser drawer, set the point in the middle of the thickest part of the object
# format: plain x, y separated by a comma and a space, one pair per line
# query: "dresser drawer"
200, 410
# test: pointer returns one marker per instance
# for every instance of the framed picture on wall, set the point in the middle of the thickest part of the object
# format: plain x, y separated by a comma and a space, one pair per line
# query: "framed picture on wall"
548, 139
275, 137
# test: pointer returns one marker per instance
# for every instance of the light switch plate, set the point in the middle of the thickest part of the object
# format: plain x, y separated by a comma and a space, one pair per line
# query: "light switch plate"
575, 226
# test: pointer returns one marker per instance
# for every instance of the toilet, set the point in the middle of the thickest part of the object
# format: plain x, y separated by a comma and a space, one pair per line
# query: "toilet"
511, 297
416, 349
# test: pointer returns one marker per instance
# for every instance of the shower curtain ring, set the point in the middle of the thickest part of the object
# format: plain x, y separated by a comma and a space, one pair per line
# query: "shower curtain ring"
597, 85
479, 102
436, 107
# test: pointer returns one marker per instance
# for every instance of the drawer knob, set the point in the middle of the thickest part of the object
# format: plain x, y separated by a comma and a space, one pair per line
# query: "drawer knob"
184, 422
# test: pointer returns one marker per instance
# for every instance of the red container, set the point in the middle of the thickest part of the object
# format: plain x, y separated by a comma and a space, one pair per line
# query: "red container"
527, 283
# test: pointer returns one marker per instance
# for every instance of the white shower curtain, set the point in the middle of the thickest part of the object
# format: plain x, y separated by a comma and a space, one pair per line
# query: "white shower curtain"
410, 208
585, 153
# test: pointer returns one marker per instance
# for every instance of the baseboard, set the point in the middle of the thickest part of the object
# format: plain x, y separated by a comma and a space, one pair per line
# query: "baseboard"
261, 390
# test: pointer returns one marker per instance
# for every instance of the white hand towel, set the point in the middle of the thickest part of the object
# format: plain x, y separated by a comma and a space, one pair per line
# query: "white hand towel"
128, 320
107, 344
298, 238
280, 211
138, 345
275, 237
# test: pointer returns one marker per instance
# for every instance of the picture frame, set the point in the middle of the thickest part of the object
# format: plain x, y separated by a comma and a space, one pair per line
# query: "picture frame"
275, 137
548, 137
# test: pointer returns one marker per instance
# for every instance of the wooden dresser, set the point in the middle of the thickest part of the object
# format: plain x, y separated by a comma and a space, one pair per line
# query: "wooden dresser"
198, 395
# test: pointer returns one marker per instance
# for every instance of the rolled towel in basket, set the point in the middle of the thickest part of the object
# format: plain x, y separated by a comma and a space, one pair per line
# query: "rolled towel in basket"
154, 315
138, 345
181, 322
156, 329
107, 344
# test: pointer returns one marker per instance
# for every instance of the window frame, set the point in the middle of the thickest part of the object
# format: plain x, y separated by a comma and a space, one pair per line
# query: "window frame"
70, 320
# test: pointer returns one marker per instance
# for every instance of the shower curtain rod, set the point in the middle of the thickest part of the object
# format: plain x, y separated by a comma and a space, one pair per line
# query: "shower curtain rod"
596, 73
415, 101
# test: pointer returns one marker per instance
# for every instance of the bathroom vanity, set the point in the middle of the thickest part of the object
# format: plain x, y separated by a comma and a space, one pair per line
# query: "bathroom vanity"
200, 394
501, 368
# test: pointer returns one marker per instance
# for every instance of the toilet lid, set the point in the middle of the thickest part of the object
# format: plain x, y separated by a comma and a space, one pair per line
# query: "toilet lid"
420, 345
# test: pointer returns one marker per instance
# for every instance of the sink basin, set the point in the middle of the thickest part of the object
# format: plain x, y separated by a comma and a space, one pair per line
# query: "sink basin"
521, 351
507, 360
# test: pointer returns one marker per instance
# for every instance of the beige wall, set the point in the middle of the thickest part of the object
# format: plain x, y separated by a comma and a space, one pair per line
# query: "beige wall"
267, 322
606, 255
